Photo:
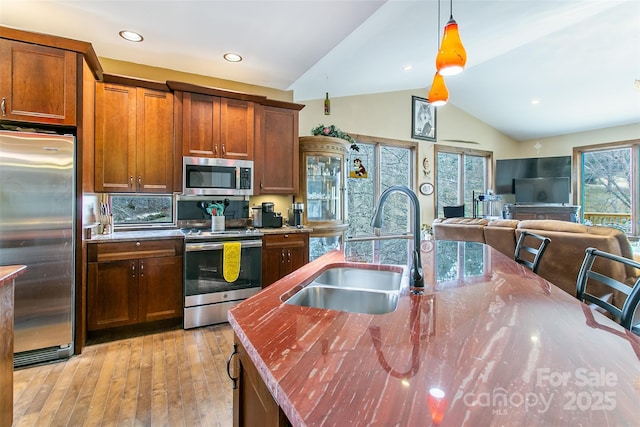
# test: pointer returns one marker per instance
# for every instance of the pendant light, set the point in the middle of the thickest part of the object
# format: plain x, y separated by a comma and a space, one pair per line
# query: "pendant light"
438, 94
452, 57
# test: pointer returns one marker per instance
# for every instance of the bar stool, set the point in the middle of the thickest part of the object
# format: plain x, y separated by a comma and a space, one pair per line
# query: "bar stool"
533, 251
624, 316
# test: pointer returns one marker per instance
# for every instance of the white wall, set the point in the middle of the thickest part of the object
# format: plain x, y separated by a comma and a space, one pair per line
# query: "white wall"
388, 115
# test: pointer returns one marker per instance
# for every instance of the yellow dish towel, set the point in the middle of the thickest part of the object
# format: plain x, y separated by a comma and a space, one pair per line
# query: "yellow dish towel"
231, 261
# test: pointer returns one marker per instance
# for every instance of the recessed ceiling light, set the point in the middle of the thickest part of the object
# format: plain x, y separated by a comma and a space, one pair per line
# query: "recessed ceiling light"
132, 36
407, 67
636, 84
232, 57
535, 101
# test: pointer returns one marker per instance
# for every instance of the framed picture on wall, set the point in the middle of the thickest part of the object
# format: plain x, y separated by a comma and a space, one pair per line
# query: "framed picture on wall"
423, 119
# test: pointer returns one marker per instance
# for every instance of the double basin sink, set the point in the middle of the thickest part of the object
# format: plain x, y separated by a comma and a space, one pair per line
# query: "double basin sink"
352, 289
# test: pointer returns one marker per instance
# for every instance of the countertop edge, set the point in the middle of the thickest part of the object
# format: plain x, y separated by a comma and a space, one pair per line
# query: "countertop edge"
9, 272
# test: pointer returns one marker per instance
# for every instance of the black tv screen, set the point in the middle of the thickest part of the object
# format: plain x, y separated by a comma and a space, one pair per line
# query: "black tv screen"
544, 167
542, 190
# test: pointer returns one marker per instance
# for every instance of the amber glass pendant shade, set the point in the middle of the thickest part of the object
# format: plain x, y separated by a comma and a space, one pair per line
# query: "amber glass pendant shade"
438, 94
451, 57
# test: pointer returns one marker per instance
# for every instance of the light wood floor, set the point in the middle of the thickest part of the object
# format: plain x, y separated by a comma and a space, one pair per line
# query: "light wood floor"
172, 378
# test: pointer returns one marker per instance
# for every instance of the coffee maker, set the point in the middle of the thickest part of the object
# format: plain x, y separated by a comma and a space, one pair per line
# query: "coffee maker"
297, 209
269, 218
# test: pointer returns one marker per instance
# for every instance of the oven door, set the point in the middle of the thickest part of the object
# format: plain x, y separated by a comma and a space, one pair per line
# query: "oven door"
204, 273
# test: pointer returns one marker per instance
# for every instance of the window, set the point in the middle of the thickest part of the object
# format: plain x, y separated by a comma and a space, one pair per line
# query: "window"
388, 163
139, 209
607, 191
459, 175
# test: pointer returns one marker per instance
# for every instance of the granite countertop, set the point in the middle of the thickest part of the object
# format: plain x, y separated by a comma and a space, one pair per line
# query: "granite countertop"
285, 229
481, 333
9, 272
125, 236
150, 234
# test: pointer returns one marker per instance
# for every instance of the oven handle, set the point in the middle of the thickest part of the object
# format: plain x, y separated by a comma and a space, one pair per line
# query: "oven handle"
216, 246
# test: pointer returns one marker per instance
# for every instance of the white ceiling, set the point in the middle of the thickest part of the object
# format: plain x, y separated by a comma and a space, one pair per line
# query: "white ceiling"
579, 58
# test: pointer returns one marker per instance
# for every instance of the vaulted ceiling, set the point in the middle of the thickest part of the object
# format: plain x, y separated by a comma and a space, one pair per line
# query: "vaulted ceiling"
578, 59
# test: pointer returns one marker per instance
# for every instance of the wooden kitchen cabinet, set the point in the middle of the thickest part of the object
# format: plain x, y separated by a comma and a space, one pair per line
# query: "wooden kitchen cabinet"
37, 83
213, 126
277, 144
134, 282
134, 139
253, 403
282, 254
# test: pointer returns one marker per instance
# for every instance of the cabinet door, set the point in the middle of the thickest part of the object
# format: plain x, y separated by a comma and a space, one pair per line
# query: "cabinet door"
277, 144
115, 156
37, 83
200, 125
272, 265
237, 129
253, 404
112, 295
296, 258
160, 288
154, 141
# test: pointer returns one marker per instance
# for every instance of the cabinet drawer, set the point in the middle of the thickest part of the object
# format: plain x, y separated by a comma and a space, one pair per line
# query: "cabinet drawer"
285, 240
138, 249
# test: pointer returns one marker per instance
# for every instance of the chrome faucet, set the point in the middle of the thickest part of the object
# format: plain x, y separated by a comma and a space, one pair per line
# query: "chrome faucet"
417, 277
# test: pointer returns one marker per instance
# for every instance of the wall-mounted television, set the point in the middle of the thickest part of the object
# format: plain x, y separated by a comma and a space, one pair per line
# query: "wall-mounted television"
542, 190
509, 170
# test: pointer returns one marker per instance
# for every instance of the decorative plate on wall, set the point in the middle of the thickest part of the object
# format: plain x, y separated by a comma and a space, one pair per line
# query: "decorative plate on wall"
426, 188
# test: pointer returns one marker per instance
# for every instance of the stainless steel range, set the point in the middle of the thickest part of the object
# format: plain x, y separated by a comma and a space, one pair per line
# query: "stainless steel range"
207, 294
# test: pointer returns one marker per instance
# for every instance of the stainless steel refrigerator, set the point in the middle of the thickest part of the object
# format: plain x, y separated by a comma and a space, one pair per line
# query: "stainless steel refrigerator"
36, 229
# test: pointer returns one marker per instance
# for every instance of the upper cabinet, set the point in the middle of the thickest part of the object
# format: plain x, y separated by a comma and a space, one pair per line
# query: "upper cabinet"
37, 83
134, 137
277, 144
217, 127
213, 122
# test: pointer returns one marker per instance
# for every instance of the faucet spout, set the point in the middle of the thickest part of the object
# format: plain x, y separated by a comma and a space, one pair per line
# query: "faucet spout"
417, 276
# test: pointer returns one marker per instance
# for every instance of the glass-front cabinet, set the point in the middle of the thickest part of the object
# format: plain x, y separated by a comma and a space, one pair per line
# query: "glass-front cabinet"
322, 191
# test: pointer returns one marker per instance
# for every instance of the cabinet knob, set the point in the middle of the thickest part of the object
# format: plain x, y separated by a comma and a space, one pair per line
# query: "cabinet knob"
137, 243
139, 181
4, 106
131, 181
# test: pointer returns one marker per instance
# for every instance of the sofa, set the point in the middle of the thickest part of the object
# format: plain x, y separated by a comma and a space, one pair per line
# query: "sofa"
564, 255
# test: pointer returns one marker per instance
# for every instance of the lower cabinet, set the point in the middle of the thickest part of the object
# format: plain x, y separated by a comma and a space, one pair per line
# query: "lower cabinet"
134, 282
282, 254
253, 404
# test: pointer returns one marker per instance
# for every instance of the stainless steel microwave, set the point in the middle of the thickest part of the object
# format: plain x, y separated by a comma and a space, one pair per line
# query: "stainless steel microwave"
217, 177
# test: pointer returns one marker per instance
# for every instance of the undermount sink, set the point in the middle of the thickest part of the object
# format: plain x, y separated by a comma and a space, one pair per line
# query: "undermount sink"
352, 289
351, 300
360, 278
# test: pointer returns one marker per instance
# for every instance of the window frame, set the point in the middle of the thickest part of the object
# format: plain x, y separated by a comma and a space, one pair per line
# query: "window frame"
576, 185
461, 152
377, 184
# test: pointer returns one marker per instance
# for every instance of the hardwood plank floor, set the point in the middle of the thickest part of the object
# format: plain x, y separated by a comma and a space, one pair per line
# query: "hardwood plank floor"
170, 378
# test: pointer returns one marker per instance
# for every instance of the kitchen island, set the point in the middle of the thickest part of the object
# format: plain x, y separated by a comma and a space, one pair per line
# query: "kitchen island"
8, 274
488, 343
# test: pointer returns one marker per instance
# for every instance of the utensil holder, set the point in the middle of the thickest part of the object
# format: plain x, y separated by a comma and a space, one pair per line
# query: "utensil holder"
217, 223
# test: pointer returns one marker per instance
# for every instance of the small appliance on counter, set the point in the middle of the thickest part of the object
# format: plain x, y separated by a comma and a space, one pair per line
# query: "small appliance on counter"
265, 217
297, 209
